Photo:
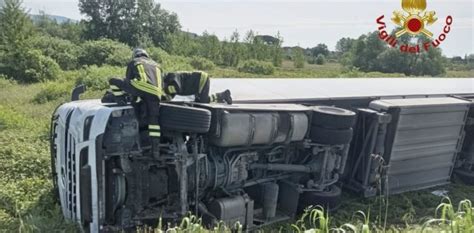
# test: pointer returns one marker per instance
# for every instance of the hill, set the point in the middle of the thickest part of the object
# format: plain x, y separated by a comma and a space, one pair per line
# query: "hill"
57, 18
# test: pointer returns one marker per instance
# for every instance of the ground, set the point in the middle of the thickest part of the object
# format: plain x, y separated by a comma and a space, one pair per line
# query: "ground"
26, 200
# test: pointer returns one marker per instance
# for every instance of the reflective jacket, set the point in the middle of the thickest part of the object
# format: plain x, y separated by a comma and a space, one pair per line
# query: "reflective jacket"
145, 75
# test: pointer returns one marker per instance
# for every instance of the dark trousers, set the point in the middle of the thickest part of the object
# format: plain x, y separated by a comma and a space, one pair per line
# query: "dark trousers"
151, 103
203, 97
188, 83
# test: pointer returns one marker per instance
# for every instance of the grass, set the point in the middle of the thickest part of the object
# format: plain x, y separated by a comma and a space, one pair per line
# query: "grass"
27, 203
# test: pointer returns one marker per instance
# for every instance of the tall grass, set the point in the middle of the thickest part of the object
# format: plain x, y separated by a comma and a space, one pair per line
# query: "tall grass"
449, 219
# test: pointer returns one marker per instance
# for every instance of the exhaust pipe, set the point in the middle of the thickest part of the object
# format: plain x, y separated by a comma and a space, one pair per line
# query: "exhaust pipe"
77, 91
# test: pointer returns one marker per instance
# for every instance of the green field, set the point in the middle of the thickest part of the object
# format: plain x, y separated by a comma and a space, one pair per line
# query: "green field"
26, 200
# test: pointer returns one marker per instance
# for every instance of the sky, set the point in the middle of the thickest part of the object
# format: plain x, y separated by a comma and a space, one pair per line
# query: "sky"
304, 23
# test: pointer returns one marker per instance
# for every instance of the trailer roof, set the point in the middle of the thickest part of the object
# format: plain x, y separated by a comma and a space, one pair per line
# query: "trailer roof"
244, 89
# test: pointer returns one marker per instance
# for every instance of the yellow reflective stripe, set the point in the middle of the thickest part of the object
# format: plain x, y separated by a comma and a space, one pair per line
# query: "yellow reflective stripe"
137, 85
141, 72
118, 93
213, 98
155, 134
202, 81
158, 77
172, 89
166, 97
157, 127
146, 87
113, 87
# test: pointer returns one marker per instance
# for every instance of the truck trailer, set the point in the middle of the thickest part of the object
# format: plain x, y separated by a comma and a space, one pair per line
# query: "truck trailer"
283, 145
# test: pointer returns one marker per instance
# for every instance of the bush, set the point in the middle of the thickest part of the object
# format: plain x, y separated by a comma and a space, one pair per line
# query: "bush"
320, 59
298, 58
53, 91
169, 63
38, 67
28, 66
97, 78
257, 67
104, 52
201, 63
64, 52
157, 54
176, 63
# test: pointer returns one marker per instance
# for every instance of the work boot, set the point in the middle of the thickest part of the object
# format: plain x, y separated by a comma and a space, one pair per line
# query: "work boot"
155, 147
224, 97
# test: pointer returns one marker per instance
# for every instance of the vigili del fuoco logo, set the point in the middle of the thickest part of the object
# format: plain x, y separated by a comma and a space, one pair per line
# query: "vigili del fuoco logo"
415, 19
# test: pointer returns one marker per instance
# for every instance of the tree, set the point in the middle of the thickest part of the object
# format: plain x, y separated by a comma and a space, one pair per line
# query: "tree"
133, 22
210, 47
320, 59
298, 57
233, 51
344, 45
320, 49
64, 52
369, 53
15, 26
71, 31
17, 60
269, 40
104, 51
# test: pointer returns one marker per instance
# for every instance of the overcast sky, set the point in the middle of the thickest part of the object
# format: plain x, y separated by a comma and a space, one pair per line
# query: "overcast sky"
304, 23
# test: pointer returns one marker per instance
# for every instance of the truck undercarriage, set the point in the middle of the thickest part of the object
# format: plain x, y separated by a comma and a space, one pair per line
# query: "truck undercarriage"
256, 162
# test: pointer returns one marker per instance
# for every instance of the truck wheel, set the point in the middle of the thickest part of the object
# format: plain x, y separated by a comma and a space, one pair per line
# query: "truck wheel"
465, 176
331, 136
329, 199
332, 117
184, 118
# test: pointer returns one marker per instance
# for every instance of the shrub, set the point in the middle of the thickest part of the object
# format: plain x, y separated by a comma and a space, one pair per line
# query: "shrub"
298, 58
64, 52
53, 91
28, 66
201, 63
169, 63
257, 67
176, 63
320, 59
157, 54
97, 78
37, 67
104, 52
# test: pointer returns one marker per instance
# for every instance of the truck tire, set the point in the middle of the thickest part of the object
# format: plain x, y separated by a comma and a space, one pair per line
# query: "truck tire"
331, 136
330, 200
184, 118
332, 117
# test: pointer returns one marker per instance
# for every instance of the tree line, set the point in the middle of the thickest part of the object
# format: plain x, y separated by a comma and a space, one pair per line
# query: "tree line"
37, 50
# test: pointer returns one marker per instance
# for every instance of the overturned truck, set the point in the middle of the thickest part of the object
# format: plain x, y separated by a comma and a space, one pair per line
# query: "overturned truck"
265, 158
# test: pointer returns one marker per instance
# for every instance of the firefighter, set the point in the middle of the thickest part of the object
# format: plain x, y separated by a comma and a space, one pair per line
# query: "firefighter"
195, 83
143, 82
